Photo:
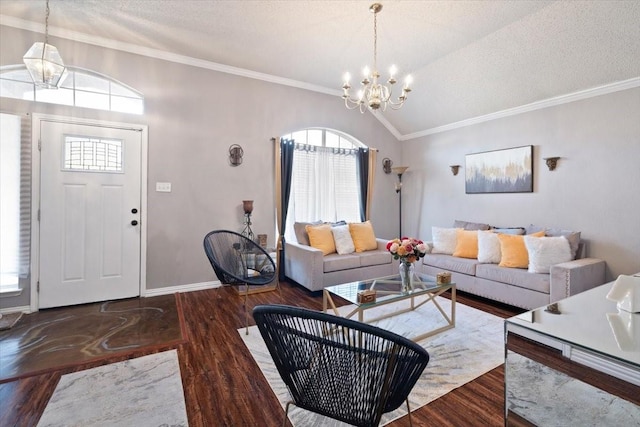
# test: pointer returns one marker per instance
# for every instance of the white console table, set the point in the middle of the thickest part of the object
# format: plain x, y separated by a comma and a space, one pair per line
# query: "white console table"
580, 366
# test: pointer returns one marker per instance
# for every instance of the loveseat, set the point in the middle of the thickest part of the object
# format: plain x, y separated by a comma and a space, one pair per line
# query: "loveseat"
528, 286
318, 267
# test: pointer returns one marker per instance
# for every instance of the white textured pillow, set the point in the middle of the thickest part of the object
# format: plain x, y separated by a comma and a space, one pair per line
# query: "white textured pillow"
343, 240
546, 251
444, 240
488, 247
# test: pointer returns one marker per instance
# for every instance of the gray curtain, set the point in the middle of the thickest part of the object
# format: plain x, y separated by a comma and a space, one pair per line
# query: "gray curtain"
287, 147
362, 163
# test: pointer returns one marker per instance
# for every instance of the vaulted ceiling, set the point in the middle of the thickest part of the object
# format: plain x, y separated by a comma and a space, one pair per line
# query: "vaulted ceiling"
468, 59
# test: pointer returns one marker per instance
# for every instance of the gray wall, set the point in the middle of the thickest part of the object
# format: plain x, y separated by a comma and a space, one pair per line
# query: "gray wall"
595, 188
194, 115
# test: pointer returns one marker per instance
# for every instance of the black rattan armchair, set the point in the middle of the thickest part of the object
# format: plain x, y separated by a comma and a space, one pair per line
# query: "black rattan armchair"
337, 367
238, 260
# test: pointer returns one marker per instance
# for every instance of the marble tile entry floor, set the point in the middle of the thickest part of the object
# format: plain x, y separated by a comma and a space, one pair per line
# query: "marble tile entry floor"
146, 391
72, 338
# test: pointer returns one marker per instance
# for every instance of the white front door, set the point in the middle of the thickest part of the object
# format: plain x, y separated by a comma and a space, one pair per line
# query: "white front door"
90, 201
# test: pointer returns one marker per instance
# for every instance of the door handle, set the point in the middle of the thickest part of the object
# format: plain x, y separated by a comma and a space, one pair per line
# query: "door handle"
134, 222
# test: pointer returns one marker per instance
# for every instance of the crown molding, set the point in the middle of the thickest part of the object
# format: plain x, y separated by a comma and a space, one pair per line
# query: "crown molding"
11, 21
538, 105
200, 63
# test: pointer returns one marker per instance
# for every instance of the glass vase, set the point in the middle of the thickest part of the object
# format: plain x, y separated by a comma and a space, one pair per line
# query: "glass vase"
406, 276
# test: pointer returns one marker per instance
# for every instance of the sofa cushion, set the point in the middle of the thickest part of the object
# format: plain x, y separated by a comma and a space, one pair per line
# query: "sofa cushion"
368, 258
488, 247
342, 239
364, 238
321, 237
336, 262
470, 225
466, 244
514, 276
444, 240
451, 263
514, 252
546, 251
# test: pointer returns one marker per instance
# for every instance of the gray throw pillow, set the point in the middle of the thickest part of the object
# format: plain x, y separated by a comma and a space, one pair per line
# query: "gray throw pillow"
470, 225
517, 231
299, 229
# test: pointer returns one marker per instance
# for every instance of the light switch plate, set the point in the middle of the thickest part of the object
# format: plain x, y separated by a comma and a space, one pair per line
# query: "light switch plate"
163, 187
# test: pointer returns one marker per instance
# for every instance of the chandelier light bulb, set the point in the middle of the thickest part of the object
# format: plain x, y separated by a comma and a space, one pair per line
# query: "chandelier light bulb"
346, 78
392, 71
373, 94
407, 81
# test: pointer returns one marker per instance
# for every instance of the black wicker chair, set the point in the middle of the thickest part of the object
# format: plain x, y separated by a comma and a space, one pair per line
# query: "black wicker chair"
239, 261
337, 367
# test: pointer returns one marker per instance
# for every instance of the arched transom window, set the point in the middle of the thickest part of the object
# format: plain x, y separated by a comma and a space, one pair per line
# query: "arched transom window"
81, 88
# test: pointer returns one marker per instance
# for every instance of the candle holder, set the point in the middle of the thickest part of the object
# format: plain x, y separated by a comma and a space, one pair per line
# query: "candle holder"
247, 205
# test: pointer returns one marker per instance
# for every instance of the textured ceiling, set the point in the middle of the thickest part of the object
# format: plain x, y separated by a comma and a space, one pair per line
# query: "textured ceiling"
467, 58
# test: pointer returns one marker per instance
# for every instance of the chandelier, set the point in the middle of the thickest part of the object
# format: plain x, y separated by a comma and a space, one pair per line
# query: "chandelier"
44, 62
373, 94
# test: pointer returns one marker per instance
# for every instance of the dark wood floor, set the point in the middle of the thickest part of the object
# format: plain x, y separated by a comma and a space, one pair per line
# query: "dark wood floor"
224, 387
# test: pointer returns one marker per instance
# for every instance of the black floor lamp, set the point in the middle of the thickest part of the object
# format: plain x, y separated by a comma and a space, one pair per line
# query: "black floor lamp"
399, 170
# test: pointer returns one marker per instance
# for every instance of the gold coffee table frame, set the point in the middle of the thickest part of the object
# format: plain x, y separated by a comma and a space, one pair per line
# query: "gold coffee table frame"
388, 292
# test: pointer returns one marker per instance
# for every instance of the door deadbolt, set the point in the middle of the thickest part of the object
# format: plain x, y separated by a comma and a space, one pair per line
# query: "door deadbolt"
134, 211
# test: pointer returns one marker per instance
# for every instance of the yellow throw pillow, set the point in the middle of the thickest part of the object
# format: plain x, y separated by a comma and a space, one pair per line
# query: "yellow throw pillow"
364, 239
514, 251
321, 237
466, 243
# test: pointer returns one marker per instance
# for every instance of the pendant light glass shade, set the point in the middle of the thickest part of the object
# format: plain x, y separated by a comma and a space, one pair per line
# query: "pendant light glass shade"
45, 65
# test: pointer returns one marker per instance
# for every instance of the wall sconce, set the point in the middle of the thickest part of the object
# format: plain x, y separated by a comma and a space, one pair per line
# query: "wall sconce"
235, 155
454, 169
386, 165
552, 162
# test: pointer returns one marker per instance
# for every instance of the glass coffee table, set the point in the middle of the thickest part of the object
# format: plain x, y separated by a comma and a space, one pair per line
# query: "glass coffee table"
388, 291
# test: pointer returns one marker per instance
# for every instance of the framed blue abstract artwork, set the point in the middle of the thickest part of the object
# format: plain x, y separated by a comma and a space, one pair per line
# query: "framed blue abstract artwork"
500, 171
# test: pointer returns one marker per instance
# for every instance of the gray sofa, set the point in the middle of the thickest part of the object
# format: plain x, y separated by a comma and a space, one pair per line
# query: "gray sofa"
516, 286
308, 267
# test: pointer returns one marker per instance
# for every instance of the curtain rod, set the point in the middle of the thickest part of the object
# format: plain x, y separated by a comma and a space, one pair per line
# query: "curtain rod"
273, 139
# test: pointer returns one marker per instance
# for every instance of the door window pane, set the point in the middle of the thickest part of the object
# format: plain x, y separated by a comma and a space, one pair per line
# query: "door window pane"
92, 154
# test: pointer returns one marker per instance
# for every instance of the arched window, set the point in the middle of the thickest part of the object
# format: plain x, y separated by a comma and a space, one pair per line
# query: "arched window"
81, 88
324, 184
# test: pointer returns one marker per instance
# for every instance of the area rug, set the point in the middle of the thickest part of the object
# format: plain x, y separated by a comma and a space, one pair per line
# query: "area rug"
84, 336
459, 355
146, 391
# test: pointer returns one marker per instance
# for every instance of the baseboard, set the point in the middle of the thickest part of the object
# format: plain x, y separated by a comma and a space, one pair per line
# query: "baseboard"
181, 288
25, 309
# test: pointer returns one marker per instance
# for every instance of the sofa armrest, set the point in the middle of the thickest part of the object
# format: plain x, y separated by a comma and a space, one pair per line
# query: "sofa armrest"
303, 264
382, 244
573, 277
